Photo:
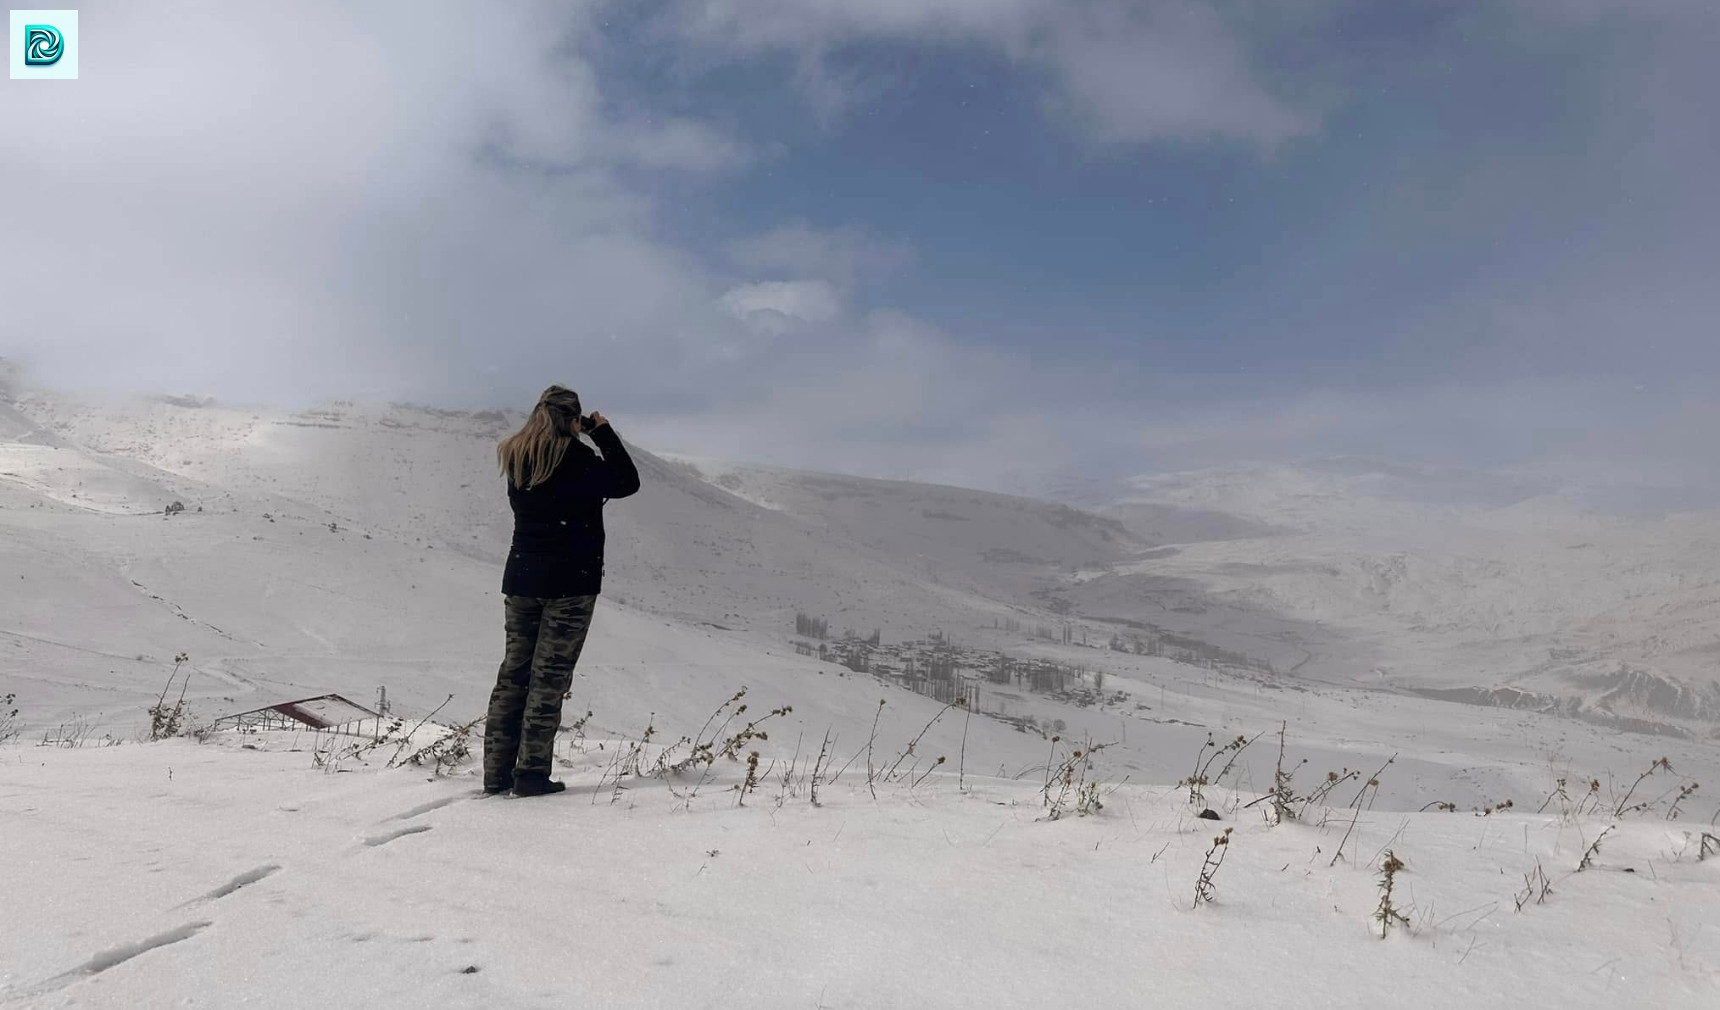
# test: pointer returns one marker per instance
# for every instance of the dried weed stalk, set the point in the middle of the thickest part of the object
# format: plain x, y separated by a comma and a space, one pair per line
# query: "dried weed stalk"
1624, 806
1074, 791
1594, 849
1386, 913
1535, 886
1204, 887
1203, 762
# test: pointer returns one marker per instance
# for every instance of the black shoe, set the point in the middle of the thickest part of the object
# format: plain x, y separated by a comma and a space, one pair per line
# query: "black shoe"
536, 784
498, 784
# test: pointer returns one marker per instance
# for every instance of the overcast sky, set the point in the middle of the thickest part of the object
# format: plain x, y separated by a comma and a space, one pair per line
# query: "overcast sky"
981, 241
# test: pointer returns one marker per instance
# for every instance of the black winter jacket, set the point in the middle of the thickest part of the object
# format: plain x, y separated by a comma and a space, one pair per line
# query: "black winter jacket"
558, 525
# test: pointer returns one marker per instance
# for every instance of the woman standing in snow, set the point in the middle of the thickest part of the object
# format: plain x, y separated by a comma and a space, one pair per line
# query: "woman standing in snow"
557, 487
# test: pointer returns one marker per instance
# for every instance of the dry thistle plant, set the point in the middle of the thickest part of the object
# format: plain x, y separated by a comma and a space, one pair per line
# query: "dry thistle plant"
1594, 849
1203, 763
1710, 846
627, 763
623, 763
330, 753
1324, 789
1683, 794
1623, 805
1237, 747
167, 722
750, 782
1283, 794
871, 771
703, 750
1197, 779
393, 734
1373, 783
405, 741
1386, 913
935, 765
610, 769
820, 766
443, 754
8, 717
746, 734
1536, 886
1493, 808
636, 750
1593, 799
909, 751
1557, 793
575, 738
1075, 793
1204, 887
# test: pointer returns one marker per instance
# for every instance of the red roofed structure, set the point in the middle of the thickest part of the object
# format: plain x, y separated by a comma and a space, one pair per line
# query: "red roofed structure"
328, 711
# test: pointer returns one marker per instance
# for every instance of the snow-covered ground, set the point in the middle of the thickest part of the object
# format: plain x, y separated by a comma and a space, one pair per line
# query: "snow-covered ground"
183, 875
354, 547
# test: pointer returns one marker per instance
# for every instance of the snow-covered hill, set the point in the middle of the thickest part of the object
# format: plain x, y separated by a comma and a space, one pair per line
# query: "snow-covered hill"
1470, 587
352, 547
1488, 597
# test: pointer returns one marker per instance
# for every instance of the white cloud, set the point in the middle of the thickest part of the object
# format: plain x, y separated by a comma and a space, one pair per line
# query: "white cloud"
774, 306
844, 256
1172, 70
438, 192
1130, 71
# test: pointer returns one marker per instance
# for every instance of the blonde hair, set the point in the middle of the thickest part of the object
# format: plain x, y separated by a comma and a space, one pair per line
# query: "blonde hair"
530, 455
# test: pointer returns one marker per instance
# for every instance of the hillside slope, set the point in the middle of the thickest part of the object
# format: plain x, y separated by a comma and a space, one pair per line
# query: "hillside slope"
355, 548
1524, 602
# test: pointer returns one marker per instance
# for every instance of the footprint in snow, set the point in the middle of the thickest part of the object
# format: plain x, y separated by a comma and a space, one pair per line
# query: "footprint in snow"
424, 808
245, 879
113, 957
388, 836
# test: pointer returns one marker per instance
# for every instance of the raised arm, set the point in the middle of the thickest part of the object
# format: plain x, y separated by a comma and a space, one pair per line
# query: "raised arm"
615, 475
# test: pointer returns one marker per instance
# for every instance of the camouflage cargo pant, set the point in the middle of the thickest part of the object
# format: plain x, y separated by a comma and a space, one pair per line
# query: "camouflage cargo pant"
544, 641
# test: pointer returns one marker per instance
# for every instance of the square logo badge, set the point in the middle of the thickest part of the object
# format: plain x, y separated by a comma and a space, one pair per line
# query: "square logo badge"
44, 45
